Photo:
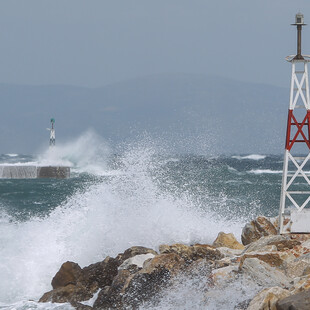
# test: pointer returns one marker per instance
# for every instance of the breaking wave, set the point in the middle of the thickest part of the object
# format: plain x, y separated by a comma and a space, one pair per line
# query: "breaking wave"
253, 157
265, 171
87, 153
109, 215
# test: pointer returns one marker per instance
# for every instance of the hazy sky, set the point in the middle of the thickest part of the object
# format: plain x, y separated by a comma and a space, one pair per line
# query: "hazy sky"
96, 42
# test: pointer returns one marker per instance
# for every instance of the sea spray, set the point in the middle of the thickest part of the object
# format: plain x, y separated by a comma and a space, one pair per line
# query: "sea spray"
141, 196
105, 218
86, 153
195, 291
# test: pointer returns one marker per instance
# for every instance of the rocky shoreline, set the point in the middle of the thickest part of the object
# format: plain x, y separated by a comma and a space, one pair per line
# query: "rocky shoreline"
277, 265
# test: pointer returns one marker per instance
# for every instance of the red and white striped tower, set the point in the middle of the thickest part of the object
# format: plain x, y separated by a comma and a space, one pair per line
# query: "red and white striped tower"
294, 215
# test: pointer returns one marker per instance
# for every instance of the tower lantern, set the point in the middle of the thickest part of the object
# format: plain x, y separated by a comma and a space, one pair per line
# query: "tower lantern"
294, 213
299, 22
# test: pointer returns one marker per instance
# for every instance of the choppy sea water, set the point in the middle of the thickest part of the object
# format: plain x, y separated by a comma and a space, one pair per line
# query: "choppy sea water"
116, 200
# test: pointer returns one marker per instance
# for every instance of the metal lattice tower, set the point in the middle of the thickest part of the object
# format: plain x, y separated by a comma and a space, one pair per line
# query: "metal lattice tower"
294, 213
52, 133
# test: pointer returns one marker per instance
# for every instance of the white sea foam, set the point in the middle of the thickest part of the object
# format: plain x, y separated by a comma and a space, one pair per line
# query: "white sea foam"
30, 163
12, 155
27, 305
87, 153
194, 292
252, 156
104, 219
263, 171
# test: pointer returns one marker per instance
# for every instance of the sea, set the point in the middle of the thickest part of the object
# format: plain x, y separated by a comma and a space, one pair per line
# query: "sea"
136, 194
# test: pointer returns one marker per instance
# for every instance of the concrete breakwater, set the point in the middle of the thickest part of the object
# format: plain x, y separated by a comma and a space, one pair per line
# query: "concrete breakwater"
33, 172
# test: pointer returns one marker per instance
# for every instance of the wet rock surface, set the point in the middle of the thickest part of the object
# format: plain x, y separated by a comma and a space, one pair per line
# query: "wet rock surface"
228, 241
260, 227
300, 301
278, 266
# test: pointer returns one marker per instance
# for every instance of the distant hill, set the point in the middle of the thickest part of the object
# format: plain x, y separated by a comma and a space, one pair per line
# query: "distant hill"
194, 113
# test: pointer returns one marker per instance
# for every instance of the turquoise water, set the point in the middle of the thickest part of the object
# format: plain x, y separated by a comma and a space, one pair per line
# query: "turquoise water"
251, 185
112, 202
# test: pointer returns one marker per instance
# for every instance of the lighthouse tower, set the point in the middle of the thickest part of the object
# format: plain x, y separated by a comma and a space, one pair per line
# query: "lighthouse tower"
294, 213
52, 133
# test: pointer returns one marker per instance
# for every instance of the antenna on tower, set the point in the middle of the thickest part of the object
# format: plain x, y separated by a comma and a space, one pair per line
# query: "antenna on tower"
52, 133
299, 22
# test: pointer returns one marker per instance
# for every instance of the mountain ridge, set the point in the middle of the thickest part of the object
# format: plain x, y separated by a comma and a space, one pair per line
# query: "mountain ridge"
240, 117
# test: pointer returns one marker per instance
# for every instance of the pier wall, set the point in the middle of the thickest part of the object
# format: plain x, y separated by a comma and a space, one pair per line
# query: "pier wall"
33, 172
53, 172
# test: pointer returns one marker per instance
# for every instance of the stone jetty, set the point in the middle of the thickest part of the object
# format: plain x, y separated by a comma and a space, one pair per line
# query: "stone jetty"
33, 172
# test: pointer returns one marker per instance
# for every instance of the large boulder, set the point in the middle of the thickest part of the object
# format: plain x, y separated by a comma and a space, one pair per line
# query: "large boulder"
69, 273
227, 252
130, 290
224, 275
73, 284
256, 229
263, 274
301, 284
299, 301
133, 251
192, 253
271, 243
228, 241
150, 280
298, 268
136, 261
110, 297
70, 293
267, 298
99, 275
273, 258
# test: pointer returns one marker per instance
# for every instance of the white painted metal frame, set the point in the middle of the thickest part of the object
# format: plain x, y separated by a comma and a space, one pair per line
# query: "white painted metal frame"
299, 92
52, 137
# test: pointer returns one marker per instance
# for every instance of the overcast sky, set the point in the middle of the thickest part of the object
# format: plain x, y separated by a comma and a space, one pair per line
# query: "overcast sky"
97, 42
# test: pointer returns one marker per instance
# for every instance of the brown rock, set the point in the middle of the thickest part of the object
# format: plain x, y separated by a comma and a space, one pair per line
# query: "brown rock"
192, 253
73, 284
299, 301
133, 251
69, 273
256, 229
206, 251
80, 306
182, 250
150, 280
267, 298
272, 259
69, 293
263, 274
136, 263
120, 280
228, 241
268, 243
224, 275
286, 244
100, 274
300, 237
297, 268
227, 252
170, 262
301, 284
108, 298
